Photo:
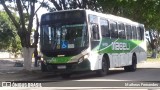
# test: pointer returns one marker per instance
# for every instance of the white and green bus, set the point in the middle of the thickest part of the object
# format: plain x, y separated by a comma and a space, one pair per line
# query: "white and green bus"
84, 40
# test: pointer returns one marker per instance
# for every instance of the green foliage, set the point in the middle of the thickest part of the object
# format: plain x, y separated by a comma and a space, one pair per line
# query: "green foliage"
16, 45
9, 40
143, 11
6, 34
72, 4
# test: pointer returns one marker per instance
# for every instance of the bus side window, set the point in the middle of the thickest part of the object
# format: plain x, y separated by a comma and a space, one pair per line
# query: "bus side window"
128, 32
142, 33
95, 32
134, 32
104, 28
138, 33
113, 29
121, 30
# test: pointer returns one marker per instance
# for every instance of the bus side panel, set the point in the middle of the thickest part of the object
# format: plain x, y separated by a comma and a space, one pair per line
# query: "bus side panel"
121, 59
111, 60
130, 58
124, 59
141, 55
95, 61
100, 61
116, 59
127, 59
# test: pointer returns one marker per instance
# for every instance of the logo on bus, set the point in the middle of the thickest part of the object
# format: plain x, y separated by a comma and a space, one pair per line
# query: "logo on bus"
120, 46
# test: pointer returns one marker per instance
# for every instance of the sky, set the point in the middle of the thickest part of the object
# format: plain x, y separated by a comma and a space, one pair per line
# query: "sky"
40, 12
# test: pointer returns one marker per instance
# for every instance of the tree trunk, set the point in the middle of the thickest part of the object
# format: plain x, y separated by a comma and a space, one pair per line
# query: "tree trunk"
36, 57
27, 55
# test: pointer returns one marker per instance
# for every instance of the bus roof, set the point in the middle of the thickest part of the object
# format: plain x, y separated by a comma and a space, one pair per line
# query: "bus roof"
115, 18
108, 16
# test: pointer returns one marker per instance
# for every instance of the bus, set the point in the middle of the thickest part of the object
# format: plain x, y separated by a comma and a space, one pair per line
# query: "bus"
84, 40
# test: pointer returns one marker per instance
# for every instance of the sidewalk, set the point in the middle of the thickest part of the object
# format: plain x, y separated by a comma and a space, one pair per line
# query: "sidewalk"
8, 65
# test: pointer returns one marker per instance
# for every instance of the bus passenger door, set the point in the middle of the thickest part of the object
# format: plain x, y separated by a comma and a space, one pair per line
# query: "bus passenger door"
95, 37
94, 30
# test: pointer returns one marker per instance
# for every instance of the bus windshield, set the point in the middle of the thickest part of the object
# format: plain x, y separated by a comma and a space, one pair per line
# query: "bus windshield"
65, 36
63, 33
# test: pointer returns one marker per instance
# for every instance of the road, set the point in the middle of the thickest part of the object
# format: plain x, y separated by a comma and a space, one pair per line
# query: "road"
146, 71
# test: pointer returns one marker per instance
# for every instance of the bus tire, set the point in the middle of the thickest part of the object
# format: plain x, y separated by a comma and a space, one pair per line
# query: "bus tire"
132, 67
105, 68
66, 75
43, 67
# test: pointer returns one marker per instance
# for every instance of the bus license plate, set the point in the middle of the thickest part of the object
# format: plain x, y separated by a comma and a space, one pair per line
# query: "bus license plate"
61, 67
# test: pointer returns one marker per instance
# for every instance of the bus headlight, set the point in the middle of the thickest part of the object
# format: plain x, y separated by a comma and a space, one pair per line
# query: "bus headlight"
42, 59
86, 56
83, 58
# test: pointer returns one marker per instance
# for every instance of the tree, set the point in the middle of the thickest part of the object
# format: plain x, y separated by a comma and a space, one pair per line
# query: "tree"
26, 11
9, 40
6, 32
72, 4
143, 11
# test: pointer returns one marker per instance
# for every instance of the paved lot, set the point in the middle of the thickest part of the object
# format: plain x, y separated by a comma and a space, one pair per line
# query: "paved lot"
8, 66
147, 71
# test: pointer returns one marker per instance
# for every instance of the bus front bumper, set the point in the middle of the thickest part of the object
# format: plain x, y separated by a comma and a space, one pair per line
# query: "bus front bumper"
68, 67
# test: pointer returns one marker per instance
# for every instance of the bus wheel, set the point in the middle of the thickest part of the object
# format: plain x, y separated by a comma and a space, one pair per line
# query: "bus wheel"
66, 75
43, 67
105, 68
132, 67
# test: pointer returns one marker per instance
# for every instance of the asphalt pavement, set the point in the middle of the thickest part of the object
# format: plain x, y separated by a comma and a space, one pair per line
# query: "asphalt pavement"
146, 71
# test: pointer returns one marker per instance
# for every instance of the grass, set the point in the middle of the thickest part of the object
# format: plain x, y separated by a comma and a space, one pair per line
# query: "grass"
149, 59
153, 59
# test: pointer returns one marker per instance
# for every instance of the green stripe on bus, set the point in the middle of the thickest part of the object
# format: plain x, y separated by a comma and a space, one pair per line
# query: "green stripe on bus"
59, 59
108, 40
106, 45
